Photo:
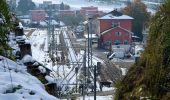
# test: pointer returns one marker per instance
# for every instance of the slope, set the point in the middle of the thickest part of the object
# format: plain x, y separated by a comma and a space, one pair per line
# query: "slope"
150, 78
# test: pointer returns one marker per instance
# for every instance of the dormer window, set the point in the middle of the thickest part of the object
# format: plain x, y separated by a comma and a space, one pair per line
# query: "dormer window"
115, 24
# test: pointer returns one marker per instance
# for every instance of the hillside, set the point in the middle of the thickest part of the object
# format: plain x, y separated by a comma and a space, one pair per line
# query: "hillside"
17, 84
150, 77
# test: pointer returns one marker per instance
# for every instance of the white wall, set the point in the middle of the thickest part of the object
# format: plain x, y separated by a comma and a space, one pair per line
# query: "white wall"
124, 47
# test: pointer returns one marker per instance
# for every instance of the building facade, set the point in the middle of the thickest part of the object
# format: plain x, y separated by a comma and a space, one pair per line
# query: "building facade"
38, 15
115, 30
90, 11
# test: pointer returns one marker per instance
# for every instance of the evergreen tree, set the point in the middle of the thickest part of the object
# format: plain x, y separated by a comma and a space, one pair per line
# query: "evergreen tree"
150, 77
5, 16
25, 5
138, 11
62, 6
4, 10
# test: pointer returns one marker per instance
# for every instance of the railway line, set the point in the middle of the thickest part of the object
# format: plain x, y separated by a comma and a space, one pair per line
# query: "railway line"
109, 71
69, 56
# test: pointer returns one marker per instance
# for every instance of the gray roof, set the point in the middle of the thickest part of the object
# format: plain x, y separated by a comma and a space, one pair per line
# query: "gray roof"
111, 16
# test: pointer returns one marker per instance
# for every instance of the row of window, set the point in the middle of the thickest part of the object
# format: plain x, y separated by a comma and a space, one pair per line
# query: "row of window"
115, 24
119, 34
117, 42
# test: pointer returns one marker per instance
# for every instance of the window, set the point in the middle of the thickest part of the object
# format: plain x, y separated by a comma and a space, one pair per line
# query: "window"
115, 24
117, 42
117, 33
126, 42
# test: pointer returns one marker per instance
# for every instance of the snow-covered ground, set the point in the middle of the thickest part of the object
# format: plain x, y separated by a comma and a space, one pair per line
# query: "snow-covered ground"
39, 53
110, 97
62, 74
17, 84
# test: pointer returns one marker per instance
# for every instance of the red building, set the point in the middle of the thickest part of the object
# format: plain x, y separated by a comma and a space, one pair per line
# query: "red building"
38, 15
115, 30
90, 11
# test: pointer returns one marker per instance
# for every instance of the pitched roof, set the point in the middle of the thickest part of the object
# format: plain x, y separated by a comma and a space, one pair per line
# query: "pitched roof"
110, 16
115, 28
115, 15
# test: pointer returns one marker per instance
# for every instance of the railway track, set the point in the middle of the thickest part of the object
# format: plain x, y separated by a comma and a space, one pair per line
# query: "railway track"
109, 71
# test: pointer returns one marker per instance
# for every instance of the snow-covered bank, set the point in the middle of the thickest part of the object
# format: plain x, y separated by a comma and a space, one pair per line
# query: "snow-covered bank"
17, 84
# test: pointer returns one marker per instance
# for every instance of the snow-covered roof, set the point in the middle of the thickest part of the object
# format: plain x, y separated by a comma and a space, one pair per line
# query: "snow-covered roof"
90, 36
110, 16
61, 23
27, 58
24, 17
54, 22
44, 23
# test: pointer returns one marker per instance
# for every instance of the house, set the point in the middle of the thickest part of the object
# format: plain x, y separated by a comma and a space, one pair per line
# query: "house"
90, 11
25, 19
38, 15
115, 30
49, 5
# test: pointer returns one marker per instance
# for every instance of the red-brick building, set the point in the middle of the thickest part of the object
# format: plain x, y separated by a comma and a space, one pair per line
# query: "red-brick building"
38, 15
115, 30
92, 11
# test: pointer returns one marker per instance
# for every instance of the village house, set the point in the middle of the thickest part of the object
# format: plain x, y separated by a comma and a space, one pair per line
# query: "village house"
115, 31
90, 11
38, 15
46, 5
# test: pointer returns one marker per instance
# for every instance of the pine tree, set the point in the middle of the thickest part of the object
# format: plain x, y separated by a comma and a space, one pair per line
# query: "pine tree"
25, 5
5, 16
62, 6
4, 10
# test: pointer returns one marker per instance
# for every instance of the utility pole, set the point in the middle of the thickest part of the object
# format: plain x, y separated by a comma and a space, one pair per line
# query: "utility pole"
88, 61
95, 82
84, 81
89, 45
76, 71
49, 28
52, 45
90, 31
